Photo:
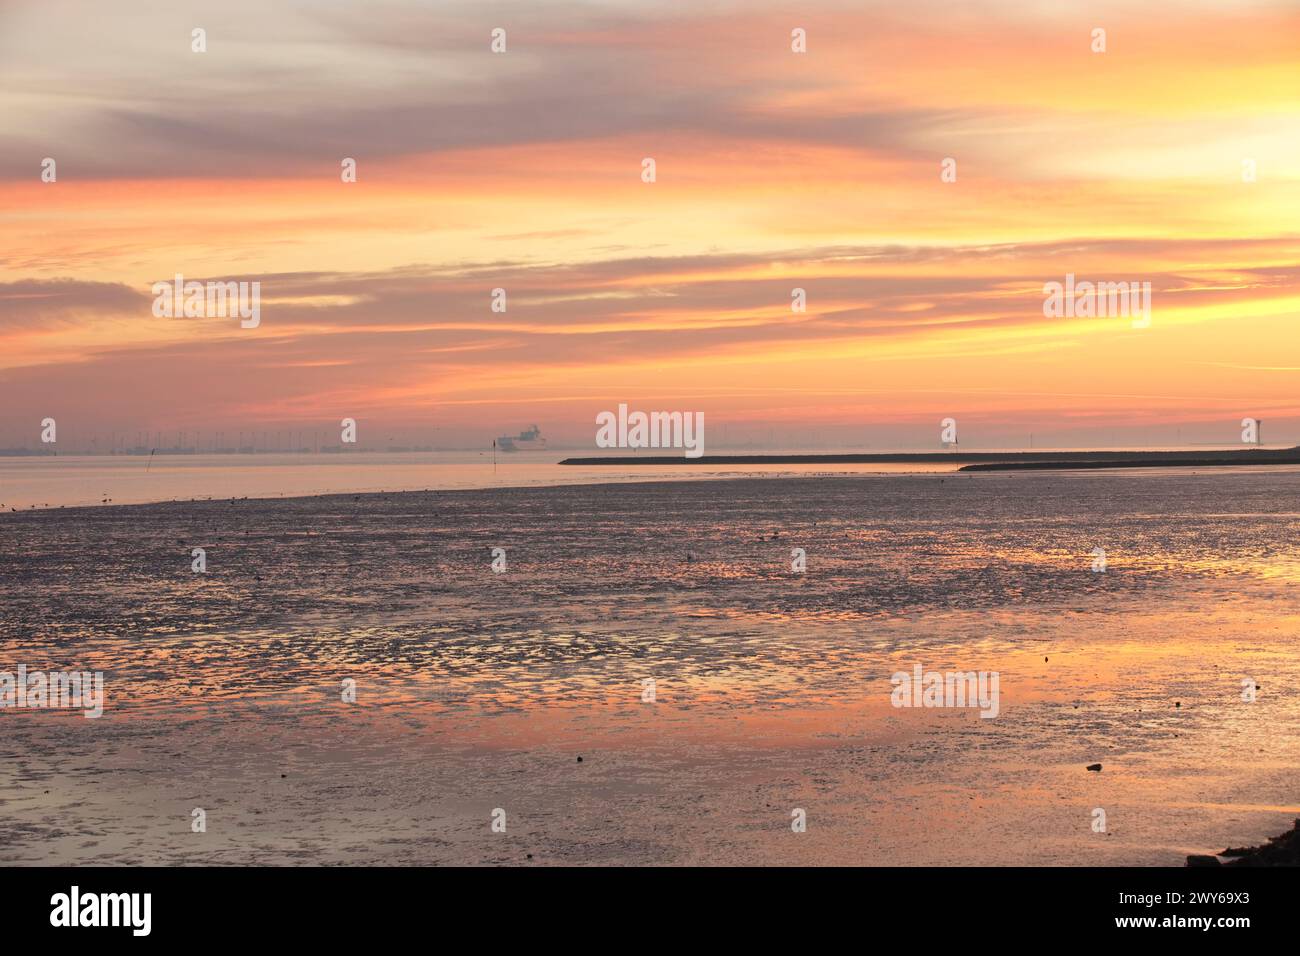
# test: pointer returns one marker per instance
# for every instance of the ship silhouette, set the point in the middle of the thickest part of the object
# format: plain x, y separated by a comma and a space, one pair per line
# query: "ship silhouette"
528, 440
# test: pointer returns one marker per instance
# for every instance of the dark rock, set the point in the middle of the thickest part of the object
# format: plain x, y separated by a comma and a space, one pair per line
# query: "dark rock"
1281, 850
1200, 860
1095, 767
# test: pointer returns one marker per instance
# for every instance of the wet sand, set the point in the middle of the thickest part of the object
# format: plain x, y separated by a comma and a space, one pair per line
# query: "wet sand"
478, 691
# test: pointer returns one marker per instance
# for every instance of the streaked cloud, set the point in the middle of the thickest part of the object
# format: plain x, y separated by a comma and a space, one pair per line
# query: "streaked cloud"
520, 171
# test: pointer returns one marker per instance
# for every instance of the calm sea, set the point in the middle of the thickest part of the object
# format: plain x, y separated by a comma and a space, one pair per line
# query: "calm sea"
66, 481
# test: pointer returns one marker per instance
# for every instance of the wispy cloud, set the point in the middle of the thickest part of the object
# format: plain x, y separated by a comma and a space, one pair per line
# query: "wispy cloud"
522, 171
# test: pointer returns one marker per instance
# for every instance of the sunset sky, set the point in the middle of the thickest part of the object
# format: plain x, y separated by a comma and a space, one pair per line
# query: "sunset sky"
775, 170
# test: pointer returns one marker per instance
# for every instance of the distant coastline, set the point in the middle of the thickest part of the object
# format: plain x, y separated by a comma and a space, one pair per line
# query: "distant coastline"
984, 461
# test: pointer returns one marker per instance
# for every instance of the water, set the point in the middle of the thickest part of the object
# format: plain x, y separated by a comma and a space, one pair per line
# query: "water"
70, 480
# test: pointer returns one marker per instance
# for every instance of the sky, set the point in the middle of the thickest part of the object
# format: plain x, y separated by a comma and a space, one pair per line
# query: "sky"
774, 170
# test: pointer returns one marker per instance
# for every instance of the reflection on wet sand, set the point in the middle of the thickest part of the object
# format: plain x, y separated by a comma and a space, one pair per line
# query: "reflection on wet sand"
478, 690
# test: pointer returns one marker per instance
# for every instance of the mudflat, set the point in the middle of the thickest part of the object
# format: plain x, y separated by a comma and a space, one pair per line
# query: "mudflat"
650, 680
